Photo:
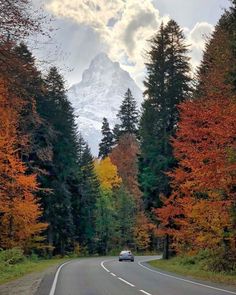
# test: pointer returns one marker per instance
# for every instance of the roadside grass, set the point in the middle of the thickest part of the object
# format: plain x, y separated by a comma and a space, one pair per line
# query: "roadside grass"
9, 272
193, 269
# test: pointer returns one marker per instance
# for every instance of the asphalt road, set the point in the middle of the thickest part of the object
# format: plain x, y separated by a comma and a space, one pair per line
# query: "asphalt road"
108, 276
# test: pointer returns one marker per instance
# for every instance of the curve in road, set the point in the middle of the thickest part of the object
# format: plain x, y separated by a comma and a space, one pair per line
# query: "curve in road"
96, 276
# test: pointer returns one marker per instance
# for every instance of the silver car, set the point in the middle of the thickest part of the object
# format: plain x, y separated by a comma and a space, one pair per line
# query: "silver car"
126, 255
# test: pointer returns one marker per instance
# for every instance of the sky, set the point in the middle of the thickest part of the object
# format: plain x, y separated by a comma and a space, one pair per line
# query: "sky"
121, 28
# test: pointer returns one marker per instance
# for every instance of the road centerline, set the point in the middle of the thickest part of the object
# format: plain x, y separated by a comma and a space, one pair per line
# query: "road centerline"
145, 292
128, 283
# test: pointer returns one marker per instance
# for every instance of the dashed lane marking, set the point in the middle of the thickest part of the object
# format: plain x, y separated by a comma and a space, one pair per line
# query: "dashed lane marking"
144, 292
128, 283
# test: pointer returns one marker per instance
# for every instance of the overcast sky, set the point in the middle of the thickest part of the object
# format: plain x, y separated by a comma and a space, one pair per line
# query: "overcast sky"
121, 28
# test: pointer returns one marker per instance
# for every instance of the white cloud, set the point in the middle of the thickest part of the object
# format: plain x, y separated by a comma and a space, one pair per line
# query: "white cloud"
124, 26
197, 38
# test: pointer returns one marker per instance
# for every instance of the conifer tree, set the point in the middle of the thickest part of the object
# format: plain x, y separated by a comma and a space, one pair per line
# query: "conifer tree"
57, 111
128, 114
89, 192
167, 84
116, 133
106, 143
125, 207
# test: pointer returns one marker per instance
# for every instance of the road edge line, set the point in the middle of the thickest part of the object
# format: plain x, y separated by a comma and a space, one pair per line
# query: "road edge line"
103, 266
185, 280
54, 284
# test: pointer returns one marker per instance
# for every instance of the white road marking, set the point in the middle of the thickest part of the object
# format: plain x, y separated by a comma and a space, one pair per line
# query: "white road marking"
145, 292
126, 282
102, 265
187, 281
113, 274
53, 288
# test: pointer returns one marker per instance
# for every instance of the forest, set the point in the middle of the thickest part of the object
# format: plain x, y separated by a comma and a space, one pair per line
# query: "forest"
165, 176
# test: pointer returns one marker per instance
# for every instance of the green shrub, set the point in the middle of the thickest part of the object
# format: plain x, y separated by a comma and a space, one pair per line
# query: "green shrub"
11, 256
34, 257
187, 260
220, 261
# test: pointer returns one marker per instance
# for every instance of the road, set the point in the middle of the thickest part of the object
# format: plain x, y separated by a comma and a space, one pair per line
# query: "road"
108, 276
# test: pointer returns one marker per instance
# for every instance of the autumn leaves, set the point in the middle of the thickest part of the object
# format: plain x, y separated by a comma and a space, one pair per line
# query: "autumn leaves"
200, 213
19, 208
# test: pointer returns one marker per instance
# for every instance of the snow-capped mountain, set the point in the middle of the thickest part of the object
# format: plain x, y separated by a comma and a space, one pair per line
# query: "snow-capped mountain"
98, 95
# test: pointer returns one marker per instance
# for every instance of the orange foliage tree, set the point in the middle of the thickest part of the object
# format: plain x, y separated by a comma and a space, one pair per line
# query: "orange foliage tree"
124, 156
198, 214
19, 209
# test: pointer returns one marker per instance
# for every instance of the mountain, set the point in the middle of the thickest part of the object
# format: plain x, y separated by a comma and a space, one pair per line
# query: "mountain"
98, 95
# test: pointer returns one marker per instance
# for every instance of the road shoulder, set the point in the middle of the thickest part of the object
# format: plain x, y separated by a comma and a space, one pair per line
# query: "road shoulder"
28, 284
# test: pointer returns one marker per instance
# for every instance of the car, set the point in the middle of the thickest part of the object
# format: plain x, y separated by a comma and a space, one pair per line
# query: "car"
126, 255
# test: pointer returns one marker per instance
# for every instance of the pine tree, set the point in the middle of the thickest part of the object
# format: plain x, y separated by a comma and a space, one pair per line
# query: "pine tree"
116, 133
125, 209
106, 143
167, 84
105, 222
128, 114
57, 111
89, 192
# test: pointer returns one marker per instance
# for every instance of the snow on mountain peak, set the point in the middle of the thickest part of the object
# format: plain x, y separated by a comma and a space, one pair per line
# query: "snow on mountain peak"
98, 95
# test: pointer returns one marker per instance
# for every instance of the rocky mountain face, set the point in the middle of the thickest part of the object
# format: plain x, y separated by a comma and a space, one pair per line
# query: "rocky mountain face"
98, 95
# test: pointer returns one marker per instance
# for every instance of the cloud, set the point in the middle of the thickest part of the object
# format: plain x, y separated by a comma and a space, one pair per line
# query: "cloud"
197, 38
124, 26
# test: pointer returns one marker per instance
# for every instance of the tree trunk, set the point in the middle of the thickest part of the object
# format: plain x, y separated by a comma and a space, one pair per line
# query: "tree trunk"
166, 247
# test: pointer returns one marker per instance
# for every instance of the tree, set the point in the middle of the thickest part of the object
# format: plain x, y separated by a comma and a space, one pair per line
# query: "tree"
167, 84
125, 209
89, 193
106, 143
16, 19
124, 156
116, 133
128, 114
198, 214
105, 222
19, 208
57, 111
143, 231
107, 174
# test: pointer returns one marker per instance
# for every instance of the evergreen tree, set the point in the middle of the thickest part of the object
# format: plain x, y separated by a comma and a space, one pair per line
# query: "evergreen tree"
105, 222
57, 111
89, 193
39, 152
116, 133
106, 143
128, 114
125, 209
167, 84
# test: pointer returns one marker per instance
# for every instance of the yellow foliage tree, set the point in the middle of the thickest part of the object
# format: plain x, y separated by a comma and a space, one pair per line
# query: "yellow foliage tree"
142, 231
107, 174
